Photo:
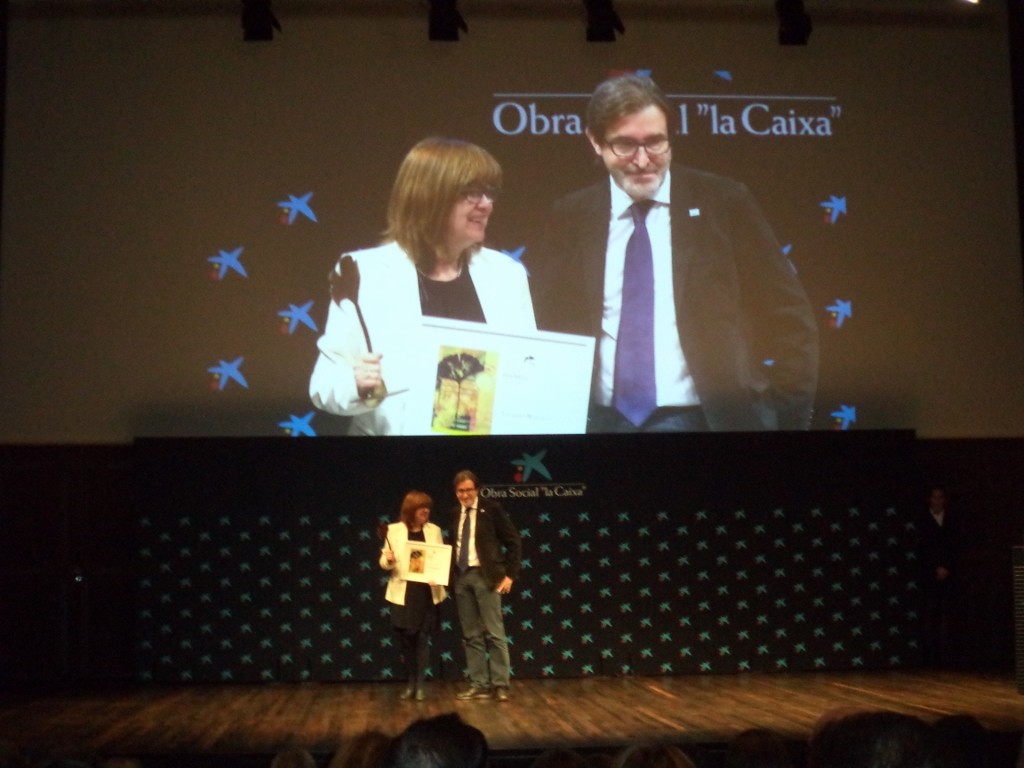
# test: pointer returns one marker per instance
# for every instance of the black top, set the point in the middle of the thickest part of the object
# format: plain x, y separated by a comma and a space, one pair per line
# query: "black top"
419, 614
453, 299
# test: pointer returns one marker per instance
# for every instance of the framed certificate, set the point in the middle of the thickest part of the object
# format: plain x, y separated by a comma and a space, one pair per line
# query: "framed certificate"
426, 562
478, 381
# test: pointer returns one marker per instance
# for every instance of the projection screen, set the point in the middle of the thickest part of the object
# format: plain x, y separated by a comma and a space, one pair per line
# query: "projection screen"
174, 197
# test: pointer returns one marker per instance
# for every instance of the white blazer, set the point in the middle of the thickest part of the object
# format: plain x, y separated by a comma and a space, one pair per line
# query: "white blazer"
390, 301
398, 537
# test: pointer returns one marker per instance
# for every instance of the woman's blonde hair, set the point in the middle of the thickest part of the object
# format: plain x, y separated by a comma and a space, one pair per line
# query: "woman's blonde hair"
432, 178
413, 500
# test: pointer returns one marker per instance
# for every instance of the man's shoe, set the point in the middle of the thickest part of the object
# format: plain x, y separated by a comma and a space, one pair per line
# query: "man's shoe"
501, 694
407, 693
421, 695
474, 693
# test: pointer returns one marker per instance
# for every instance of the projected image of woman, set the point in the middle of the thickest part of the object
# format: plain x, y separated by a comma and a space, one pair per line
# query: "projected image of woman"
432, 263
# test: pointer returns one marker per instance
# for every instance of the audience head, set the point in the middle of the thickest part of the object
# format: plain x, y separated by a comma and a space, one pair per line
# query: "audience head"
875, 740
965, 741
362, 751
652, 756
293, 756
560, 758
758, 748
600, 759
445, 741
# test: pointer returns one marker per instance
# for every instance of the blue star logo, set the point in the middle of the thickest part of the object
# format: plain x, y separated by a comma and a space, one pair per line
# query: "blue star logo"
226, 371
836, 206
840, 310
298, 426
516, 255
298, 315
844, 416
294, 206
225, 260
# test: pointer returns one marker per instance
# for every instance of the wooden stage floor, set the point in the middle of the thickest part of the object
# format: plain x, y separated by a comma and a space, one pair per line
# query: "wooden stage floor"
253, 720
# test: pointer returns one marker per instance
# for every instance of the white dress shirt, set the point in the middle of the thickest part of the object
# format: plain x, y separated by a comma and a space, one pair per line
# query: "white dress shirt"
469, 518
672, 376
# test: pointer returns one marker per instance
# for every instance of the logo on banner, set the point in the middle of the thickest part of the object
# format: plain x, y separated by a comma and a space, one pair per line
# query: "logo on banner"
715, 112
527, 470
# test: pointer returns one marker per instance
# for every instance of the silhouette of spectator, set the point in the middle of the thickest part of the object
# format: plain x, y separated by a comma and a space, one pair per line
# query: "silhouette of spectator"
293, 756
363, 751
560, 758
444, 741
758, 748
875, 740
966, 742
600, 759
652, 756
8, 753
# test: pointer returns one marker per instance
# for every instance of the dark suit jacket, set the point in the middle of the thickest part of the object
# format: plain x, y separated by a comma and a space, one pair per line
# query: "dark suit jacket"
498, 543
936, 548
738, 299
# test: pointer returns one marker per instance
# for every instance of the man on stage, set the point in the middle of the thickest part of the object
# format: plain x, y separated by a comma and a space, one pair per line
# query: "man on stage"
938, 539
488, 552
700, 321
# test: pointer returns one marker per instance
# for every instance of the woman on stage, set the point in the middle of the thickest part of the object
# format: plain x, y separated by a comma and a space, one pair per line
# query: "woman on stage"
414, 604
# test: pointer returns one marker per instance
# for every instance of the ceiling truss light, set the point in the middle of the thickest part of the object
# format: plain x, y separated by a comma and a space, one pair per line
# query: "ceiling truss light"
258, 21
602, 21
445, 21
794, 22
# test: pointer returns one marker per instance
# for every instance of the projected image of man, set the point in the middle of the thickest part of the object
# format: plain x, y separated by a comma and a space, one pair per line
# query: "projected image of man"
700, 320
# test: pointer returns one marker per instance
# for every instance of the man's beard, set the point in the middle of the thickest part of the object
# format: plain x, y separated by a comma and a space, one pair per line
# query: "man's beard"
640, 189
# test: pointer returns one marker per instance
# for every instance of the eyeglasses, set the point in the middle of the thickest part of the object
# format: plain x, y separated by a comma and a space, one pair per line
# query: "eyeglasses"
474, 195
628, 147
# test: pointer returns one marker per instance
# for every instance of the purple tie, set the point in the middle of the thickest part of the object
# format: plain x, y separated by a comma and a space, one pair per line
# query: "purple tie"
464, 541
635, 396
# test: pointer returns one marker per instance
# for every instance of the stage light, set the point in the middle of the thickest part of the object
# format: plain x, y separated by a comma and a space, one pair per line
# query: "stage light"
445, 21
258, 21
794, 23
602, 21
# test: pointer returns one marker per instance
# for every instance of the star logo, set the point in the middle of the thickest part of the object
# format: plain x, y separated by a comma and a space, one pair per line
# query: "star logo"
516, 255
529, 463
294, 206
637, 72
298, 426
839, 312
226, 371
844, 416
295, 316
227, 260
835, 207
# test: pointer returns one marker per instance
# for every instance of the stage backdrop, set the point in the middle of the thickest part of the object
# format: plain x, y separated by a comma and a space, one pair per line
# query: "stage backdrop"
673, 554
